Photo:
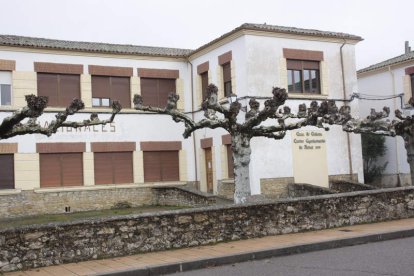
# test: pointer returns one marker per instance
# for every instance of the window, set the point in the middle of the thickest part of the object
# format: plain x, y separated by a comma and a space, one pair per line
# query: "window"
113, 167
155, 91
227, 79
303, 76
61, 169
60, 89
204, 84
161, 166
6, 171
5, 88
230, 163
106, 89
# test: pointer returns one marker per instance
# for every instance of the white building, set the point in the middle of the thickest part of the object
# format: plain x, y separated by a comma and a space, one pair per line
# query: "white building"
147, 149
390, 83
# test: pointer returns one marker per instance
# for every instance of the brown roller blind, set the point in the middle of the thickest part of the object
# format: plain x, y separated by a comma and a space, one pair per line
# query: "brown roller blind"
100, 87
120, 90
204, 84
69, 89
166, 86
47, 85
103, 168
169, 166
123, 171
149, 91
113, 167
161, 166
60, 89
311, 65
61, 169
50, 175
155, 91
294, 64
152, 166
230, 164
6, 171
226, 72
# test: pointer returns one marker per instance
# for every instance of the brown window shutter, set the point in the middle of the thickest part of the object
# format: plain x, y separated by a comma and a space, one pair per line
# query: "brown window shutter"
101, 87
61, 169
152, 166
122, 164
294, 64
6, 171
204, 84
103, 168
226, 72
166, 86
120, 90
170, 166
47, 85
230, 164
311, 65
69, 89
50, 170
149, 91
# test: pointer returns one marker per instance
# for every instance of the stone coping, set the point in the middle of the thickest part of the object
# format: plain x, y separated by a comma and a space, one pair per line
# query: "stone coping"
185, 189
196, 210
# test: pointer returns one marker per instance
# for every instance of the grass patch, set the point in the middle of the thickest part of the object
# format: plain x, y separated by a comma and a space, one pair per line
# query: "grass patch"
76, 216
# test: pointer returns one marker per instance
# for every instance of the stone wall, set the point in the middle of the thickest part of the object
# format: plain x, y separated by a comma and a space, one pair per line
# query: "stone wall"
28, 203
35, 246
302, 190
180, 196
275, 187
348, 186
225, 188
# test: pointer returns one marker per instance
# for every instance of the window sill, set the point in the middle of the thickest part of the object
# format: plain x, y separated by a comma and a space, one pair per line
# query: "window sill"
307, 96
10, 192
109, 187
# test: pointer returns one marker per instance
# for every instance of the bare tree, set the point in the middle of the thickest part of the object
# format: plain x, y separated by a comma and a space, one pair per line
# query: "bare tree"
15, 125
327, 113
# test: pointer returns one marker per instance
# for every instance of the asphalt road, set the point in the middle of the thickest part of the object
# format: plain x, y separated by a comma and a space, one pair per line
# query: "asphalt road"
394, 258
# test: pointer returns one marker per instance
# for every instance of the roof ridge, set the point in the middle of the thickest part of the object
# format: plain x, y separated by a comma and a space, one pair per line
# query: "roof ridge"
388, 62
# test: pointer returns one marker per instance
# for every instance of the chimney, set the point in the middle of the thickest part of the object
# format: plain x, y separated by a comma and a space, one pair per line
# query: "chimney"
407, 47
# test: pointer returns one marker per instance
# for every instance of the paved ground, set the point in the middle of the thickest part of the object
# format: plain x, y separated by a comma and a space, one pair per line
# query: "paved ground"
395, 257
231, 252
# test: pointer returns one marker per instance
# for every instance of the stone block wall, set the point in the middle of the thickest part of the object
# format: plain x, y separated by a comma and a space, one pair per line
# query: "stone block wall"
35, 246
179, 196
275, 187
302, 190
349, 186
225, 188
29, 203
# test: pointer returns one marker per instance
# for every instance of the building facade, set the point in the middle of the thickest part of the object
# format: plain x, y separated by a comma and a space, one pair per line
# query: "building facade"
141, 149
390, 83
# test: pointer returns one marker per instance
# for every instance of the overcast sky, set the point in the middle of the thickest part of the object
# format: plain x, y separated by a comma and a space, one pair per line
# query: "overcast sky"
384, 25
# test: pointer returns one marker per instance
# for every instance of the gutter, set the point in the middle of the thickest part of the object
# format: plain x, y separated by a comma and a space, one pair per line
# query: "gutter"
395, 140
192, 117
348, 139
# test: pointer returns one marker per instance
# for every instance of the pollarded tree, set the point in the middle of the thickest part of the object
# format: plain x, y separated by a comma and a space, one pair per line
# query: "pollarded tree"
13, 125
327, 113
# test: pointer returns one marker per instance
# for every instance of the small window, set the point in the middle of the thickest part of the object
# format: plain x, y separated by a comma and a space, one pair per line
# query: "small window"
105, 102
303, 76
161, 166
61, 169
155, 91
113, 167
5, 88
227, 79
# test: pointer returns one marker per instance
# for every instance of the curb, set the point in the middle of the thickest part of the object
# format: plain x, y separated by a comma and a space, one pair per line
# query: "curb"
258, 255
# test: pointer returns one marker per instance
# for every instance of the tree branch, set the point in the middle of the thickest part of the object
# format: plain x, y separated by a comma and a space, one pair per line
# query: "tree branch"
12, 126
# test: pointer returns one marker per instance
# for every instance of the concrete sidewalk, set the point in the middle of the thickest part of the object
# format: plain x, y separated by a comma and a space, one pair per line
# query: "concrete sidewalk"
231, 252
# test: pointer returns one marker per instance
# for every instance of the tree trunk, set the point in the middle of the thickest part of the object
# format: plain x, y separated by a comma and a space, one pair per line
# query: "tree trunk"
240, 146
409, 146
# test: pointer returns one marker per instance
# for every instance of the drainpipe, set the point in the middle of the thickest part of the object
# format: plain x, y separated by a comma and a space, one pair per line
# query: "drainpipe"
396, 141
192, 117
348, 139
